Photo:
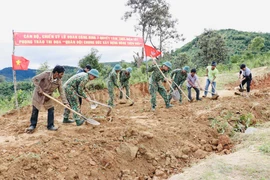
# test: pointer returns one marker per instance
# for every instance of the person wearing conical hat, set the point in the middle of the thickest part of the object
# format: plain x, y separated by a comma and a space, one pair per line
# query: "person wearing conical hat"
178, 76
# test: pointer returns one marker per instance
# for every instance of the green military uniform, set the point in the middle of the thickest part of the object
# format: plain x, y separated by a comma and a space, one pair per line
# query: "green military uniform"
124, 81
155, 84
75, 85
111, 83
179, 78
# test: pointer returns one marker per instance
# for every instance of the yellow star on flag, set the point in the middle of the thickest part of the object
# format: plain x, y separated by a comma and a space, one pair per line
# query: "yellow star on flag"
18, 62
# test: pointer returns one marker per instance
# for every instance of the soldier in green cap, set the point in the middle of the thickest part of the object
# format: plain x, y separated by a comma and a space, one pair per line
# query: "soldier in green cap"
155, 83
124, 80
75, 86
178, 76
112, 82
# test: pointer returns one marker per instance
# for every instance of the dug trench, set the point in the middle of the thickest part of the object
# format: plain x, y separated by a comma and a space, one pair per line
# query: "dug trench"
133, 143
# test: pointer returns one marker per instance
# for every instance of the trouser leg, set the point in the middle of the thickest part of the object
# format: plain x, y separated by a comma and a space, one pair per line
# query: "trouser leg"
50, 118
34, 116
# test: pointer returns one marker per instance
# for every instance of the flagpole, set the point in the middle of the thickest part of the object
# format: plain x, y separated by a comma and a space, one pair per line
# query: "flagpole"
14, 74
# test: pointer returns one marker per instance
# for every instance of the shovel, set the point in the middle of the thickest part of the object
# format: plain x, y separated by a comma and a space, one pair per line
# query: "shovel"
182, 91
127, 97
90, 121
215, 96
93, 106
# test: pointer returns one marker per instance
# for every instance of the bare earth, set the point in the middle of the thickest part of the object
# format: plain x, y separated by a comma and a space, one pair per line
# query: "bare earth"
133, 143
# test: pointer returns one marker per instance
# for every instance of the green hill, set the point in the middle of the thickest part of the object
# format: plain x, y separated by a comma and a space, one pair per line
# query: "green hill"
236, 41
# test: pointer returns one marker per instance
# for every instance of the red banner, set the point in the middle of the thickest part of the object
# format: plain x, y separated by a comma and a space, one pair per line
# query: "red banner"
61, 39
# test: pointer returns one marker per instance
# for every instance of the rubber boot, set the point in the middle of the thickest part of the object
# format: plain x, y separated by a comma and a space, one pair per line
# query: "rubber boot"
66, 120
79, 122
153, 108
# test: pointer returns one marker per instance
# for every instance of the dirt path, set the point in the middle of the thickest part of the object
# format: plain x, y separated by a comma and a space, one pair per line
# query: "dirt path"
250, 161
133, 143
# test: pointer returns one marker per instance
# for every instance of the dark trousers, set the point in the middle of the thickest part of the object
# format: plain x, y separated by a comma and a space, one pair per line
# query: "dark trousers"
80, 101
197, 93
34, 117
248, 81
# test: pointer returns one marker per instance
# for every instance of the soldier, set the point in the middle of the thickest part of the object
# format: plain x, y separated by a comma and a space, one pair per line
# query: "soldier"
86, 69
179, 76
113, 82
211, 73
124, 80
155, 83
46, 82
76, 86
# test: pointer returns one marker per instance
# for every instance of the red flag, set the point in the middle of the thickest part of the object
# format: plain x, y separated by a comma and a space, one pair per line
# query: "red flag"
151, 52
19, 63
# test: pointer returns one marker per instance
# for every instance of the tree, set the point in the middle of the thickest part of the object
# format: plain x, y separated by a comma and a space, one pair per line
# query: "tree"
212, 47
181, 60
43, 67
154, 20
92, 58
2, 79
256, 44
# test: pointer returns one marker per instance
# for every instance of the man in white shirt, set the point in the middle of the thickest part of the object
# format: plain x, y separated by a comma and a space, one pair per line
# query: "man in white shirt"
245, 76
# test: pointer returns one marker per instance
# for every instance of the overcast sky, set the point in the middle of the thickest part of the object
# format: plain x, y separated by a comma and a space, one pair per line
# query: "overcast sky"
104, 17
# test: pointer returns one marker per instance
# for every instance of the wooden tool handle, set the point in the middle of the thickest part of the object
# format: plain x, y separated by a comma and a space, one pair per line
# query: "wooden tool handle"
62, 104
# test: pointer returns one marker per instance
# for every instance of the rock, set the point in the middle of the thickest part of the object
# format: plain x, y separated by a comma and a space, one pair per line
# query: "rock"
127, 151
186, 150
92, 163
126, 172
214, 142
168, 161
178, 153
224, 140
203, 141
185, 157
3, 168
64, 168
147, 135
200, 154
207, 147
226, 151
219, 147
159, 172
155, 163
250, 130
149, 156
142, 149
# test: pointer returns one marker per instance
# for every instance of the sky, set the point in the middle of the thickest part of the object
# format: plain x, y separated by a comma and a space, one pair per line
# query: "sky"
104, 17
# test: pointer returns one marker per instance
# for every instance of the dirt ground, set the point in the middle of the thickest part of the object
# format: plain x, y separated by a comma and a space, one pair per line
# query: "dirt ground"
132, 143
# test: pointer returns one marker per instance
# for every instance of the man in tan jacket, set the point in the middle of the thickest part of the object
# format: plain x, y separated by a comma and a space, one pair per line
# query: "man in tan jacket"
46, 82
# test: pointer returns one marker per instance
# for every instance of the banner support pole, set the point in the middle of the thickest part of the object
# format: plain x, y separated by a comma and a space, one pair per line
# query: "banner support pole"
14, 75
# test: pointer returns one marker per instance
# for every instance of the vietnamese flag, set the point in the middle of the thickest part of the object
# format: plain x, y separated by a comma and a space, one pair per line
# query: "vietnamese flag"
19, 63
151, 52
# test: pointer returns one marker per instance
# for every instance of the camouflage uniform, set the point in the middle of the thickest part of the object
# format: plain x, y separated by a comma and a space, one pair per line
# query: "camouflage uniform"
179, 78
75, 85
111, 83
155, 84
124, 81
